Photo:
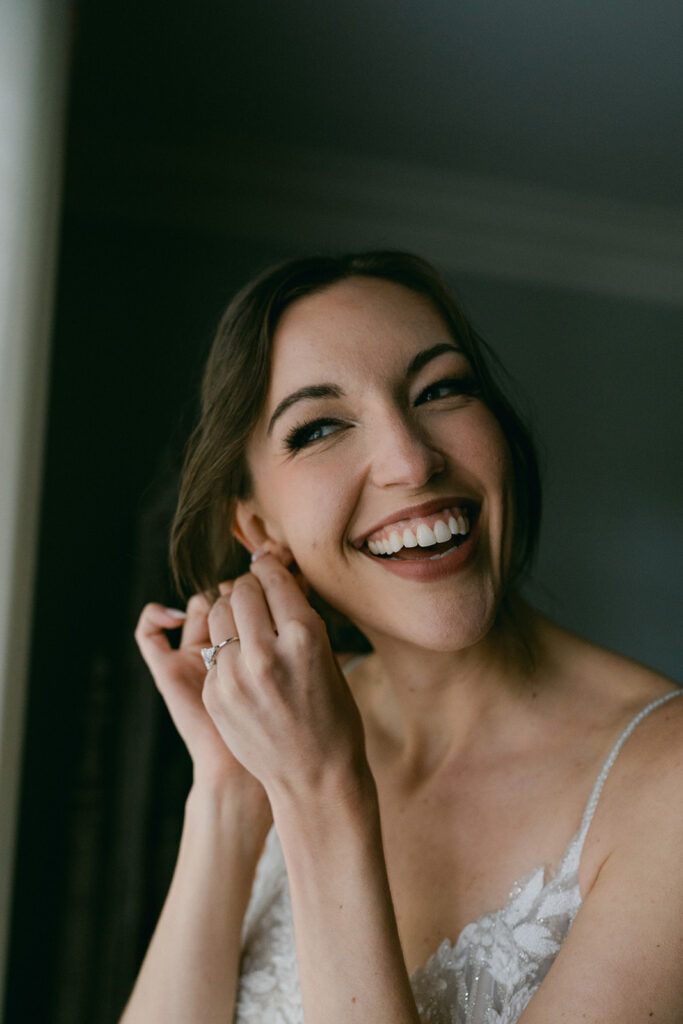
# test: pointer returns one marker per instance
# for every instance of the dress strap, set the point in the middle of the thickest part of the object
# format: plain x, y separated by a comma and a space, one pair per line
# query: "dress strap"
606, 768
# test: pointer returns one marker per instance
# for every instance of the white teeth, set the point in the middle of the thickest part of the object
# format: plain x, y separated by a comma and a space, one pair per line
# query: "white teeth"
425, 536
441, 532
422, 535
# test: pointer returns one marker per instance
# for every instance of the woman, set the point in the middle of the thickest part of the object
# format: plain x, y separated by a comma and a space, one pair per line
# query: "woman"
354, 439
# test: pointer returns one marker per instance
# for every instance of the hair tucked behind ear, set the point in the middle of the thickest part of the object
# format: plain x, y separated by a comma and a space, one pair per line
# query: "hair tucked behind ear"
215, 473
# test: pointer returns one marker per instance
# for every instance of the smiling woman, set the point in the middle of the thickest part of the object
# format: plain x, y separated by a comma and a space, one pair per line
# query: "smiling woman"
238, 376
350, 833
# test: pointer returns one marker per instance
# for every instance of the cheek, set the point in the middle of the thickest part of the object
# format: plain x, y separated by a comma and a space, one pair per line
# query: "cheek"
309, 511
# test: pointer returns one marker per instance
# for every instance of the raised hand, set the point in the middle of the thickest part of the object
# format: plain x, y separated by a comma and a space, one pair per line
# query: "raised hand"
278, 698
179, 675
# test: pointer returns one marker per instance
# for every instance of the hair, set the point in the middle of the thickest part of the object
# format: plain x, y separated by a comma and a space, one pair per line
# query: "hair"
215, 474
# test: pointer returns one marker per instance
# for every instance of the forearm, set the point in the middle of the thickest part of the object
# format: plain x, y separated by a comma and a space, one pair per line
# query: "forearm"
189, 975
350, 958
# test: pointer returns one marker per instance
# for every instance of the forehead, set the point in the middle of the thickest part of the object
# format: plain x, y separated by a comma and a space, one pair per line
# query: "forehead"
352, 324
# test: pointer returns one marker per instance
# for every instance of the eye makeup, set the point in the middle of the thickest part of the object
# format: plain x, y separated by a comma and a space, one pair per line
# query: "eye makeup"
317, 429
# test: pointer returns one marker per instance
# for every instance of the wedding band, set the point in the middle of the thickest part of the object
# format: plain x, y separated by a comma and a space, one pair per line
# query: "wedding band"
209, 653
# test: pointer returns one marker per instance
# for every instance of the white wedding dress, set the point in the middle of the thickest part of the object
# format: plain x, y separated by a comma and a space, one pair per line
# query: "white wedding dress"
486, 977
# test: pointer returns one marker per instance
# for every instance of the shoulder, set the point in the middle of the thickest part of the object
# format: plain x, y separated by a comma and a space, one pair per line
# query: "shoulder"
605, 693
638, 825
621, 959
628, 694
608, 682
650, 773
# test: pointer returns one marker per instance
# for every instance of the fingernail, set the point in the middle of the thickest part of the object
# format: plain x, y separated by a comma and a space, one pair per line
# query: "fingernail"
258, 554
176, 613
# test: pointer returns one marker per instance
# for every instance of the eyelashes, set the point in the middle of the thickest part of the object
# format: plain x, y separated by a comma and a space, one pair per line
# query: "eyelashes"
305, 434
312, 431
453, 385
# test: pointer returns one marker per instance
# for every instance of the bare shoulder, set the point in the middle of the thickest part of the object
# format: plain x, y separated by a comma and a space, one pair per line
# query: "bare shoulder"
609, 691
601, 677
650, 779
621, 960
643, 797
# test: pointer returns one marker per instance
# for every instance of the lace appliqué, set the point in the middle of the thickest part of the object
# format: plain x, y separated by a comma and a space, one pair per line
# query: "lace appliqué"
488, 977
269, 991
499, 961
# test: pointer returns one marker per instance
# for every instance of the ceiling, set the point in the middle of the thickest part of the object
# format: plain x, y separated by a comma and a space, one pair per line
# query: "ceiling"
579, 96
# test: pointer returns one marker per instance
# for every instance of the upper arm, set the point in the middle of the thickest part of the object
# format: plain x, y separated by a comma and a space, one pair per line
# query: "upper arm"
622, 962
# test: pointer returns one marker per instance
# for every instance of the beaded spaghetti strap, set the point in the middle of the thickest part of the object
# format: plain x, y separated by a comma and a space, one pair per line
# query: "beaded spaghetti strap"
614, 753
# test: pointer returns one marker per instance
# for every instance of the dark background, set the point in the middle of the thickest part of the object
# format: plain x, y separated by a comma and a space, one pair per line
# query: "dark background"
207, 140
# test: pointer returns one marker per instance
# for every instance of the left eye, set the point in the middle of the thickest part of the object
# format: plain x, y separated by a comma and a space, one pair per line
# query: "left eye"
447, 388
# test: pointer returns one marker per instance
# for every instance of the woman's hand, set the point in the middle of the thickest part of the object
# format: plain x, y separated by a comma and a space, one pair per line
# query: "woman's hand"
179, 676
278, 698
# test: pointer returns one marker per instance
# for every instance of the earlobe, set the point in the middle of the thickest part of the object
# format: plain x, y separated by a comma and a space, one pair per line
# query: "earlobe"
251, 531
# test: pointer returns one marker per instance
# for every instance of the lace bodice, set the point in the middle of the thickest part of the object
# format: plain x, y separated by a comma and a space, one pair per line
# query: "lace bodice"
486, 977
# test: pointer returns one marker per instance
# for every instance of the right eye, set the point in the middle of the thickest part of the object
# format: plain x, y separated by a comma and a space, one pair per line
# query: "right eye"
307, 433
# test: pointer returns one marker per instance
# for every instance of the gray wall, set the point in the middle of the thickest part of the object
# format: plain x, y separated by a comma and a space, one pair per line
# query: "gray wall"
603, 380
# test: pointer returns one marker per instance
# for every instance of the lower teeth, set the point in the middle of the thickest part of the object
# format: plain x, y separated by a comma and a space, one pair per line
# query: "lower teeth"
442, 554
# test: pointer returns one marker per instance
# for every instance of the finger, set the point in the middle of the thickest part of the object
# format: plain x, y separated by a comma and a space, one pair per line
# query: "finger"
253, 620
150, 632
222, 623
284, 597
196, 628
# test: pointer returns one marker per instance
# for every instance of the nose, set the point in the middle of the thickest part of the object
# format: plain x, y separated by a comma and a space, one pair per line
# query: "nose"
401, 454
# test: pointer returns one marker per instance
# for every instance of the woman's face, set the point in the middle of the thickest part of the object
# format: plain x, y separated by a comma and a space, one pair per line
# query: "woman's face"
372, 444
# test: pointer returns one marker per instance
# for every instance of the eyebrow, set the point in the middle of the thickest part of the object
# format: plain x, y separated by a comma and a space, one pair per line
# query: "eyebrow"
334, 391
311, 391
422, 358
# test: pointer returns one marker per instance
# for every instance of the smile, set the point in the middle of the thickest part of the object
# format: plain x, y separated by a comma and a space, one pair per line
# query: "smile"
442, 531
425, 543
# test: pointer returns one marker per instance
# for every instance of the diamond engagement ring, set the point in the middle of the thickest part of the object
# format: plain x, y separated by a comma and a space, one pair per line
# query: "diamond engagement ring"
209, 653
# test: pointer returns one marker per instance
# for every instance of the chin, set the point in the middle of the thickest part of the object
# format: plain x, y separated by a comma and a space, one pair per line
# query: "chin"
439, 625
455, 629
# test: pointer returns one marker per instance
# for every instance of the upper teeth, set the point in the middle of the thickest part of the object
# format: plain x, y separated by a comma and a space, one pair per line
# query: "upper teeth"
421, 534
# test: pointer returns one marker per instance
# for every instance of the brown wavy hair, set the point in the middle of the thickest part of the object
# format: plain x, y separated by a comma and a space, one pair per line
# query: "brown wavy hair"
215, 473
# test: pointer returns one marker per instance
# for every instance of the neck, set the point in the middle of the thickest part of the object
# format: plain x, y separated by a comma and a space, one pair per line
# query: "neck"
425, 707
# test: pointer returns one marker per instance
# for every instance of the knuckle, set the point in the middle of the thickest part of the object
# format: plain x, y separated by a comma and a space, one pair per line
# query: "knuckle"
275, 576
246, 580
146, 612
197, 603
218, 609
264, 662
300, 636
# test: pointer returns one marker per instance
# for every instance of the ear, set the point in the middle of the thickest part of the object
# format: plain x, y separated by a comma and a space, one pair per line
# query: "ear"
252, 532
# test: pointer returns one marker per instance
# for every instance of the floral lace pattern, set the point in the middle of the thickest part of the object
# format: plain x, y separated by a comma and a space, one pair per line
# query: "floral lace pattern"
499, 961
487, 977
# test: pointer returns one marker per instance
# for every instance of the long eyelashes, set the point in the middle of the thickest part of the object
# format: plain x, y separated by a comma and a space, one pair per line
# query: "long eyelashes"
311, 431
305, 434
452, 385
